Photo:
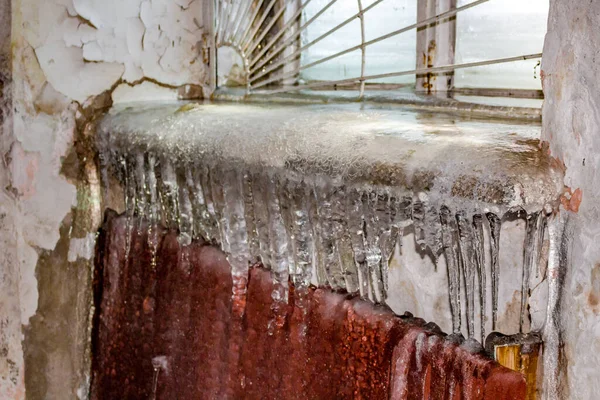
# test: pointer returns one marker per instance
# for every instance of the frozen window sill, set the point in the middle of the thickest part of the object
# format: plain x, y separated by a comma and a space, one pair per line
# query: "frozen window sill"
323, 194
477, 165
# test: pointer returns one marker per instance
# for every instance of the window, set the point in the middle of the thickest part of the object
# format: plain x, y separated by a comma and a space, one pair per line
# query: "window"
462, 47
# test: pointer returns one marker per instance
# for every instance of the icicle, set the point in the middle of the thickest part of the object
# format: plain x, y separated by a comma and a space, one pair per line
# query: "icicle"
158, 363
279, 255
130, 201
286, 207
356, 226
303, 243
467, 262
373, 239
559, 235
320, 273
403, 217
533, 237
211, 213
253, 242
261, 217
104, 161
495, 225
141, 196
153, 208
192, 182
541, 231
218, 200
185, 217
343, 242
156, 369
478, 242
237, 236
169, 196
389, 236
418, 217
204, 222
325, 227
451, 251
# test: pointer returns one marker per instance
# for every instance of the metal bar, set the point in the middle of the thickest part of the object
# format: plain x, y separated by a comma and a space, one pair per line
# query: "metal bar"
295, 9
281, 32
208, 51
290, 39
245, 44
376, 40
370, 86
361, 91
240, 23
276, 17
495, 92
251, 20
407, 72
231, 16
222, 17
235, 21
217, 8
306, 46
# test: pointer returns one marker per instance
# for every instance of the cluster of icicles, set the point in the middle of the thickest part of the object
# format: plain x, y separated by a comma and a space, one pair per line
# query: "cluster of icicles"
314, 230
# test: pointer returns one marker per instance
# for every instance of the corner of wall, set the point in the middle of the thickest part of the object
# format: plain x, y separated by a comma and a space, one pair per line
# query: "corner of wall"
70, 61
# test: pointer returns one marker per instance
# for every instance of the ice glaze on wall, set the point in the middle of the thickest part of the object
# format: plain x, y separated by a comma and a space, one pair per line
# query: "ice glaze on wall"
571, 125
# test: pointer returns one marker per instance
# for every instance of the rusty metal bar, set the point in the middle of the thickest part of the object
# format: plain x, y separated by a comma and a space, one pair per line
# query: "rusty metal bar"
410, 72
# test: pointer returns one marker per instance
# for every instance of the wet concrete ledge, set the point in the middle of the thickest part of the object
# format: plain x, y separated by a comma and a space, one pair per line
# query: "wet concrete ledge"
164, 329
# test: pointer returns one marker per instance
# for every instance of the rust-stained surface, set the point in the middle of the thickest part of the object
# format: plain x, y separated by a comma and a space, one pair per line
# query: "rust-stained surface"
571, 200
519, 353
335, 346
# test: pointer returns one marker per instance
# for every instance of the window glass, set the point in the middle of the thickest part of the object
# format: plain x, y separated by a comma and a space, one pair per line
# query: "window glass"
390, 55
498, 29
397, 53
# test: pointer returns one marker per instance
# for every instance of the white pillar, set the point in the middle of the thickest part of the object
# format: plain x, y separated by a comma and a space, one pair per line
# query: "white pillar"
435, 45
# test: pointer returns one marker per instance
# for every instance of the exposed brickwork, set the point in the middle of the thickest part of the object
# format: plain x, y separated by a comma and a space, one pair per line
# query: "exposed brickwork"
335, 347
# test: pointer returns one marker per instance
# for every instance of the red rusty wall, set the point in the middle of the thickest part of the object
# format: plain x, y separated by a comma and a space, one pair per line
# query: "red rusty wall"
336, 347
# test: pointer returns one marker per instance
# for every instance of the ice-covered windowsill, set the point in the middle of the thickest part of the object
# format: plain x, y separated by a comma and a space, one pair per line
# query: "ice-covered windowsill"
324, 193
480, 165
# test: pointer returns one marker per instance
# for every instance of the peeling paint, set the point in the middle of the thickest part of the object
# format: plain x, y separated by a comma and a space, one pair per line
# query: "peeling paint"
68, 54
571, 200
125, 93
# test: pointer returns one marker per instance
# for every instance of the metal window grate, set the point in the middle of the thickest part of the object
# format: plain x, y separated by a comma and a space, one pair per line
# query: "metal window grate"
266, 34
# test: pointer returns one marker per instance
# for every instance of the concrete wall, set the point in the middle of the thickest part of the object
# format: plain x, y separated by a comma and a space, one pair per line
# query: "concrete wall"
69, 57
571, 125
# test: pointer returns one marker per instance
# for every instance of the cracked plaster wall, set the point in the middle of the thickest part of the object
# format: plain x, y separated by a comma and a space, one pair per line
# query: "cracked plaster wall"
11, 355
571, 125
68, 57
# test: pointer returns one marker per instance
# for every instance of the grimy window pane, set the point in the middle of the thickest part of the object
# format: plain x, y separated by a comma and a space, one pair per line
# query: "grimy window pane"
394, 54
499, 29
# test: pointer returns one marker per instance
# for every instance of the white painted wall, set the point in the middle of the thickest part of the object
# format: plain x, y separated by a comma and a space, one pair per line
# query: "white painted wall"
571, 125
65, 52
